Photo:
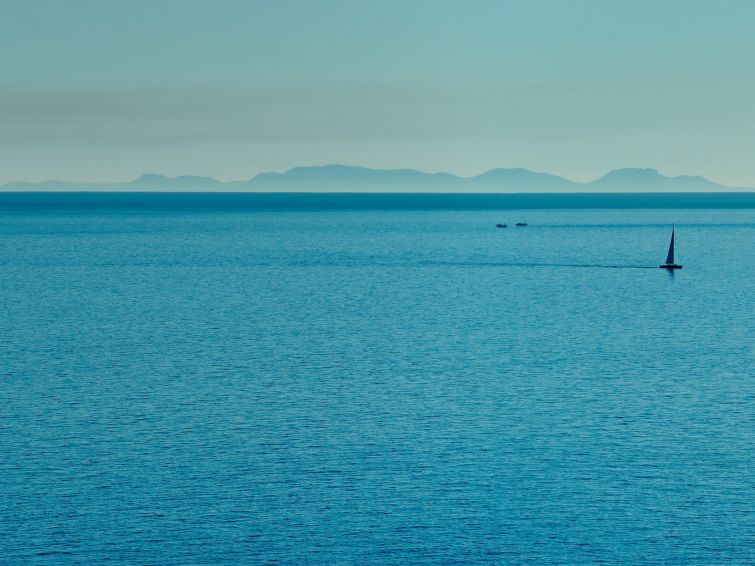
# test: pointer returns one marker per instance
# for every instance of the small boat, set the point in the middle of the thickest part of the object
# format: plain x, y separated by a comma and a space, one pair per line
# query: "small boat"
521, 224
501, 225
670, 263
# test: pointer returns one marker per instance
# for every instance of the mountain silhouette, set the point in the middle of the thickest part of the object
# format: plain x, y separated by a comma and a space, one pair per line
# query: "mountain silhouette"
522, 178
345, 178
337, 178
632, 178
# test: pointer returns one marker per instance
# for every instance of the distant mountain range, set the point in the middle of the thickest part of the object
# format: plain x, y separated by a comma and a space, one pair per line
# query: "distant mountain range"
343, 178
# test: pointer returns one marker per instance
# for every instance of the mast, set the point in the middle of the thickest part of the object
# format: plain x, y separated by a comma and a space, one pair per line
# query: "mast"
670, 256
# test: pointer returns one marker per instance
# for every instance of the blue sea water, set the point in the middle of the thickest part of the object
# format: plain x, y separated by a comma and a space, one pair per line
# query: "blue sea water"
208, 387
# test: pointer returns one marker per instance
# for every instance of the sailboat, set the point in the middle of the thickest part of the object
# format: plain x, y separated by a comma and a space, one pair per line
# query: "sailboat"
670, 264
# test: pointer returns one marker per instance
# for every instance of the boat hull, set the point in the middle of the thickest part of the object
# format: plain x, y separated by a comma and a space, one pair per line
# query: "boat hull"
670, 266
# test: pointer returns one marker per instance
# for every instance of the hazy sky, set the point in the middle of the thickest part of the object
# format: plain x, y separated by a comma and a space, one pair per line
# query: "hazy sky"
110, 89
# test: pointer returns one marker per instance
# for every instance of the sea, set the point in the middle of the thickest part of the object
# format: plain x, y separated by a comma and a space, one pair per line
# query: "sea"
230, 382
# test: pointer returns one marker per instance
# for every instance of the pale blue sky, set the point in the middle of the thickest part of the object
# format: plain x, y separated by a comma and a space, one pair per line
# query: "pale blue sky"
107, 90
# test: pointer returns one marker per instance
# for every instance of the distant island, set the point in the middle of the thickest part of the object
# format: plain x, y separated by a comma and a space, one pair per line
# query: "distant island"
344, 178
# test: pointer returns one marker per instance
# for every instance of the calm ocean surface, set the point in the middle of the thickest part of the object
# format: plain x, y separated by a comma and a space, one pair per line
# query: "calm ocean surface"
198, 386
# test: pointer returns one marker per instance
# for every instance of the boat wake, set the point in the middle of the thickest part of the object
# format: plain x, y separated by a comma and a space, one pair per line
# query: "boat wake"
535, 264
605, 266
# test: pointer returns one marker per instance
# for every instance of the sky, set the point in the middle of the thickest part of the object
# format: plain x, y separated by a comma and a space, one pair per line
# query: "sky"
106, 90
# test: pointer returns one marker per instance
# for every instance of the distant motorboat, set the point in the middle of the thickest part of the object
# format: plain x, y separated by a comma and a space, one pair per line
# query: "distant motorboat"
670, 263
521, 224
501, 225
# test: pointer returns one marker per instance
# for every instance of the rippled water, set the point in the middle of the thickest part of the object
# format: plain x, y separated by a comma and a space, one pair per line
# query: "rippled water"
367, 386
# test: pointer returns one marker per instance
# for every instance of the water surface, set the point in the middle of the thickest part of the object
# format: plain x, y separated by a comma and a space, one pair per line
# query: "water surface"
206, 386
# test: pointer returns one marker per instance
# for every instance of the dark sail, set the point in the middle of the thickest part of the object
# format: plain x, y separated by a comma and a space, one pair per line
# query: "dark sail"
670, 256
